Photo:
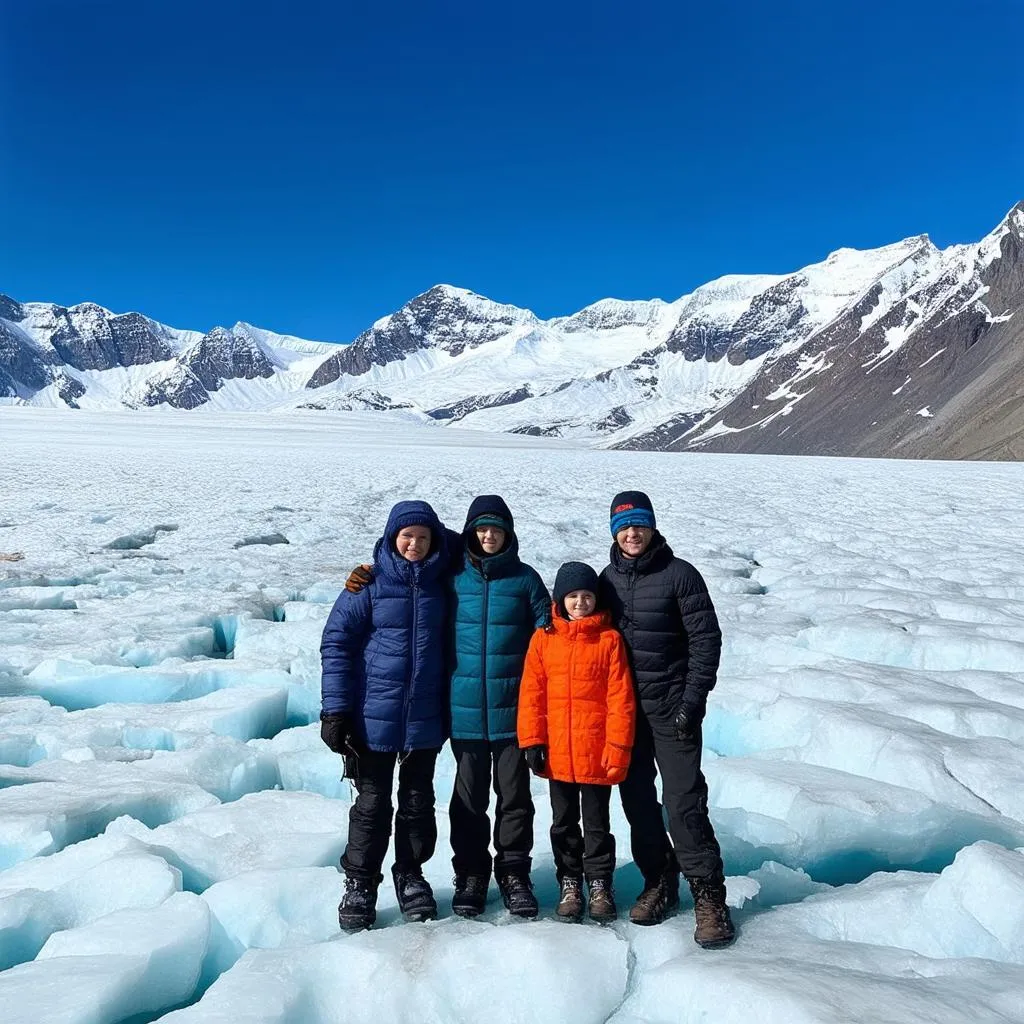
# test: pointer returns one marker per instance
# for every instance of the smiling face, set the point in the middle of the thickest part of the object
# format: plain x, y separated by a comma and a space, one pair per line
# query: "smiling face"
633, 541
580, 603
490, 538
413, 543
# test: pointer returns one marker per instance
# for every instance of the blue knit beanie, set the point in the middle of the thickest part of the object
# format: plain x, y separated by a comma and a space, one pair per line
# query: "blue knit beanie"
411, 513
631, 508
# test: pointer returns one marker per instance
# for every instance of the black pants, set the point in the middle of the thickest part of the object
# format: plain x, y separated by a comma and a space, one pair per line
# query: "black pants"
369, 821
685, 793
591, 851
478, 763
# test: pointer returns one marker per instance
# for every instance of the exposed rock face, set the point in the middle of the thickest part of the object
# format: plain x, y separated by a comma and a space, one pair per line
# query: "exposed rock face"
82, 337
664, 437
38, 338
363, 400
135, 342
459, 410
88, 337
10, 309
936, 372
699, 338
335, 367
178, 387
444, 318
613, 314
220, 356
69, 389
617, 418
772, 317
21, 362
1004, 276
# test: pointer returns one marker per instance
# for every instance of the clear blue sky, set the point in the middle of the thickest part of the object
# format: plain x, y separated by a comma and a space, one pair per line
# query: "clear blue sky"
309, 167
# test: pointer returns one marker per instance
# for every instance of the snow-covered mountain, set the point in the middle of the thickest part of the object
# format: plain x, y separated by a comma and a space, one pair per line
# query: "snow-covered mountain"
85, 356
902, 350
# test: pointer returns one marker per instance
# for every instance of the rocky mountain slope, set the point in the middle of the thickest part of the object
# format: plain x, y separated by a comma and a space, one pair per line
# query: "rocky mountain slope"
906, 350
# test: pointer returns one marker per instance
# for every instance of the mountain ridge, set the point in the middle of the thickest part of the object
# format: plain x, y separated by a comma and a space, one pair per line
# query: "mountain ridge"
827, 359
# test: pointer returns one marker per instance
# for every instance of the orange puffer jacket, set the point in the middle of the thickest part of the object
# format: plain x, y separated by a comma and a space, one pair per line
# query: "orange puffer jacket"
576, 699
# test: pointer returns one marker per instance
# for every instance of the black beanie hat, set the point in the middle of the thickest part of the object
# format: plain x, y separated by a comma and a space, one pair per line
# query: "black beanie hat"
489, 509
574, 576
631, 508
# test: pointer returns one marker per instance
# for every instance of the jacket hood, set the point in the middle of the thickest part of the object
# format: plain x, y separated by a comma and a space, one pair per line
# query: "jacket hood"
386, 559
492, 507
600, 620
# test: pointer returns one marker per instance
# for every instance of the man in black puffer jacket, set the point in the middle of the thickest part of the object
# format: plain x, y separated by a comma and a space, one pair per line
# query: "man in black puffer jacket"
662, 607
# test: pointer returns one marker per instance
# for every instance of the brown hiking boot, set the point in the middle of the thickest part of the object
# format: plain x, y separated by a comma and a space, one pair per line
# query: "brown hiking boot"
602, 902
651, 905
714, 925
570, 902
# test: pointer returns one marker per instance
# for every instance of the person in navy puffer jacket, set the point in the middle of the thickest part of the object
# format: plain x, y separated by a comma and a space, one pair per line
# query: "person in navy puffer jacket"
385, 701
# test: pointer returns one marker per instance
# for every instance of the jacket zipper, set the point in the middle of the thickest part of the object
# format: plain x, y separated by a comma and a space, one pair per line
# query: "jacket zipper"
632, 575
572, 655
412, 660
483, 652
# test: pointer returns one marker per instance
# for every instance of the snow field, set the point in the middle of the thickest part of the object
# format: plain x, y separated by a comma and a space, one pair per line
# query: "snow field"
170, 823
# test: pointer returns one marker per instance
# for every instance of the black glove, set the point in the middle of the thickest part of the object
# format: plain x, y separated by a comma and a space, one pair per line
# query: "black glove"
335, 730
687, 720
361, 576
537, 759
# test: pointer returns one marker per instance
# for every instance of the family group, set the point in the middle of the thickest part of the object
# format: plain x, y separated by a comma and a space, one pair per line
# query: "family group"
602, 683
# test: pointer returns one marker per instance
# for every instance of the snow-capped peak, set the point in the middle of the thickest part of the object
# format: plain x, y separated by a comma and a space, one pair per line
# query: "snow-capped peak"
609, 314
647, 373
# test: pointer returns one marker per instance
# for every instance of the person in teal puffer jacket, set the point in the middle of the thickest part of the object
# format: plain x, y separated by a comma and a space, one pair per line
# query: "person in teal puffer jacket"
499, 602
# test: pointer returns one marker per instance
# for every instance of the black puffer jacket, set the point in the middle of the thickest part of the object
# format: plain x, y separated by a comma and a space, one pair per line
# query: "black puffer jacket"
663, 608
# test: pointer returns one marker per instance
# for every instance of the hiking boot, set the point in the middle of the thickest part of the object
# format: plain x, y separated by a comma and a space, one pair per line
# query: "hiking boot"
570, 900
470, 896
652, 904
415, 897
517, 894
714, 925
358, 907
602, 902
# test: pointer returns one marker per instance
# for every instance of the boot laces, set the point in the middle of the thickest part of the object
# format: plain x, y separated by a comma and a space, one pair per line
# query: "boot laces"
517, 883
709, 905
412, 883
357, 890
651, 896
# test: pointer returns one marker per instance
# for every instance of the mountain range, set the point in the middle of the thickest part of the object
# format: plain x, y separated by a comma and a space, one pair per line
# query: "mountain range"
906, 350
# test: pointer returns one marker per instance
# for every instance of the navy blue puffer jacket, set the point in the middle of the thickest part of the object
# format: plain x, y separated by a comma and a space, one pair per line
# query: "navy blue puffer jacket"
383, 649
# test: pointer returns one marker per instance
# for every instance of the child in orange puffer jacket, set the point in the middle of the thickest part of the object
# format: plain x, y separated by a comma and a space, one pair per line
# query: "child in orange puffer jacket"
577, 715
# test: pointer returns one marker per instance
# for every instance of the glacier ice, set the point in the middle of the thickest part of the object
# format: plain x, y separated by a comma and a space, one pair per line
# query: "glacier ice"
170, 823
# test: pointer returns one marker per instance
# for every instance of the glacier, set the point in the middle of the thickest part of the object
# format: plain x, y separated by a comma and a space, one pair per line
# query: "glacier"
170, 823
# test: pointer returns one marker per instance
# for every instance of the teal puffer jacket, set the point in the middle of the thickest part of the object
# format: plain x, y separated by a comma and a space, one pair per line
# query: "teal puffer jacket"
499, 602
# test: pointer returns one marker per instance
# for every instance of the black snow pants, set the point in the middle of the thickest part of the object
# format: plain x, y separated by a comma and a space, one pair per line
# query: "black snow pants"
685, 793
592, 851
369, 820
478, 764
